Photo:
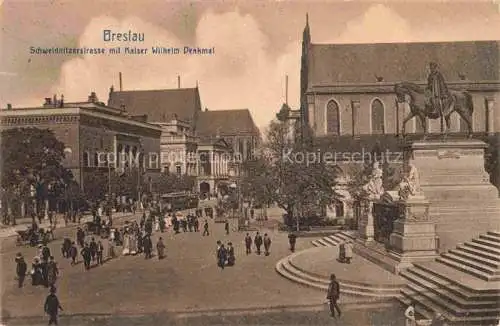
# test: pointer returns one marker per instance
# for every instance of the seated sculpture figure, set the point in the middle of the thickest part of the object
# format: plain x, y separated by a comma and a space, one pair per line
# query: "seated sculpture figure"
409, 185
374, 188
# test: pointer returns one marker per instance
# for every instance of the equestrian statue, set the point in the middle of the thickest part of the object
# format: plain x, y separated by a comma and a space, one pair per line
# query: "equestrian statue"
434, 102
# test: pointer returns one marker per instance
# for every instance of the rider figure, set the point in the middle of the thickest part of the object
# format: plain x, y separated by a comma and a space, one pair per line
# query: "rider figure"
437, 88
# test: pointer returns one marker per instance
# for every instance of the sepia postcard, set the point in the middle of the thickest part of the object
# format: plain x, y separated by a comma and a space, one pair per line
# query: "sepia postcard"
249, 162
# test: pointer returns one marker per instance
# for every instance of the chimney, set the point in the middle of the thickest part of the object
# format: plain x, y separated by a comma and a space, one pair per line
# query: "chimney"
9, 106
286, 90
178, 81
92, 97
48, 101
55, 100
61, 104
121, 85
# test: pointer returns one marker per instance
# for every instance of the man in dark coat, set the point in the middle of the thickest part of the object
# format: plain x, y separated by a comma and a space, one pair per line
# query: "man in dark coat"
93, 249
73, 253
205, 228
52, 272
230, 254
258, 242
292, 239
21, 269
148, 246
248, 244
99, 252
80, 237
196, 224
222, 256
267, 244
226, 226
86, 256
160, 247
52, 306
45, 253
333, 295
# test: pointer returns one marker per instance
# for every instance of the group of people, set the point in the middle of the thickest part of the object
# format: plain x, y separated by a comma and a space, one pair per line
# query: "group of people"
225, 254
258, 241
44, 270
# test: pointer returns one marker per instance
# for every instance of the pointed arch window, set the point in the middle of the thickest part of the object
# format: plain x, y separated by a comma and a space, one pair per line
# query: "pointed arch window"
377, 116
332, 118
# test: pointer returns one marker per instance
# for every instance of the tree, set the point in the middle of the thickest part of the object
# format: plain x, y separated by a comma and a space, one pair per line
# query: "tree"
293, 174
169, 182
32, 157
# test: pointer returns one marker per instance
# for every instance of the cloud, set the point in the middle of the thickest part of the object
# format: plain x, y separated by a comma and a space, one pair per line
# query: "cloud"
240, 75
378, 24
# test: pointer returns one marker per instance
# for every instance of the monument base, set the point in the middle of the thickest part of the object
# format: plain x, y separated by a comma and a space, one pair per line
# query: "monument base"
452, 176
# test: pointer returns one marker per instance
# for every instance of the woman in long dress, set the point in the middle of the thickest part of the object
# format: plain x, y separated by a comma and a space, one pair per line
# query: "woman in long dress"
133, 243
126, 243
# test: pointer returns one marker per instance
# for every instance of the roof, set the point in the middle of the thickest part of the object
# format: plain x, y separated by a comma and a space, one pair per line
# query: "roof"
395, 62
159, 105
225, 123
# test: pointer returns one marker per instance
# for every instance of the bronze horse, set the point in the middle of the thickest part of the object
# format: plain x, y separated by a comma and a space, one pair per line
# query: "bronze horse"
459, 101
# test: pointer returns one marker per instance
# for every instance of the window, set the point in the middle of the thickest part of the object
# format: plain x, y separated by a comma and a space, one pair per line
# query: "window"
377, 116
241, 147
96, 159
178, 170
332, 118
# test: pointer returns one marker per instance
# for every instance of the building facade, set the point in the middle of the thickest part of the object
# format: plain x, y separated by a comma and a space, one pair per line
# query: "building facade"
210, 145
97, 137
348, 99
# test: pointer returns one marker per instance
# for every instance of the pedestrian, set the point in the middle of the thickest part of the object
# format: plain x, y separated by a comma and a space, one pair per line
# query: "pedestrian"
258, 242
348, 252
52, 306
160, 247
252, 212
21, 269
99, 253
36, 272
222, 256
410, 314
45, 273
333, 295
205, 228
111, 249
196, 225
226, 226
230, 254
267, 244
148, 246
93, 249
52, 272
73, 253
162, 223
86, 256
292, 239
248, 244
65, 247
80, 237
45, 253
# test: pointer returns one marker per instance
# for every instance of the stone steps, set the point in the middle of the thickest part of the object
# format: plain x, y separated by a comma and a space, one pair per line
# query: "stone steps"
462, 284
453, 294
457, 288
334, 239
427, 308
479, 253
481, 271
285, 268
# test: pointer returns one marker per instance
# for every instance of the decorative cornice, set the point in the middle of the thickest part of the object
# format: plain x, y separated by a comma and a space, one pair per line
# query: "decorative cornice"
388, 87
19, 120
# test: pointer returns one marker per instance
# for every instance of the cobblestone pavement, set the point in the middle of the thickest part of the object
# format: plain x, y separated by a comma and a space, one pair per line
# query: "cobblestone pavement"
186, 280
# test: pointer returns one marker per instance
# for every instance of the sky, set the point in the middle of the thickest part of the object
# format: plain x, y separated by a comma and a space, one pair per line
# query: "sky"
257, 44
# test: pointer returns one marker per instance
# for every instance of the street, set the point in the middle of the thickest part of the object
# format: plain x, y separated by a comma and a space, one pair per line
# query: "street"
181, 286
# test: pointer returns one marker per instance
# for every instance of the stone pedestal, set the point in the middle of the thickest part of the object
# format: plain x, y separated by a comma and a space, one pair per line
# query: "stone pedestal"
452, 176
366, 230
414, 235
